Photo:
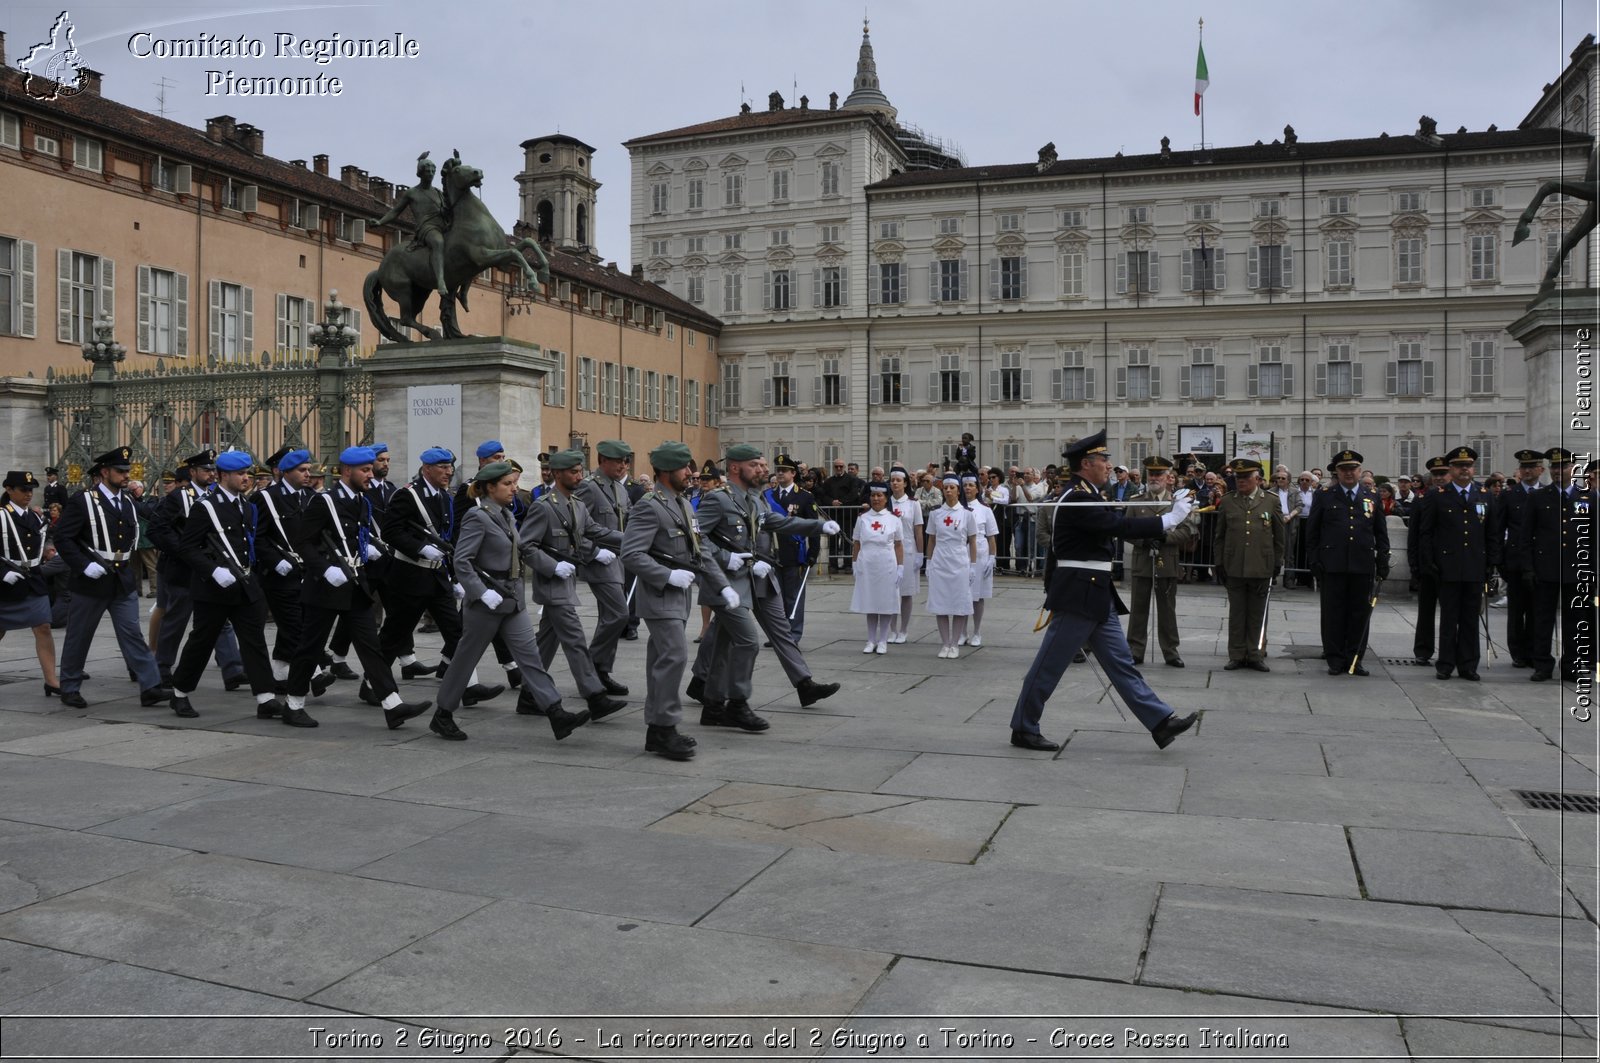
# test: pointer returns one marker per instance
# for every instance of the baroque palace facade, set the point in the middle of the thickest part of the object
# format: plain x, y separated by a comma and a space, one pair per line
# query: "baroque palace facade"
203, 249
879, 301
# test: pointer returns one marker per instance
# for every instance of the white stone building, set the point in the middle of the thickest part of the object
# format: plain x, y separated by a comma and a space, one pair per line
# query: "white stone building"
1346, 293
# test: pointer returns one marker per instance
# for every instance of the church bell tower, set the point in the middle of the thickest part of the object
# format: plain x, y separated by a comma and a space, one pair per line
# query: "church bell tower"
557, 194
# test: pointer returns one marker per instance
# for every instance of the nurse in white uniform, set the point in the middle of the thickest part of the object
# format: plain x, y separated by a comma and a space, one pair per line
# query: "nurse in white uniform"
877, 555
988, 532
952, 551
909, 510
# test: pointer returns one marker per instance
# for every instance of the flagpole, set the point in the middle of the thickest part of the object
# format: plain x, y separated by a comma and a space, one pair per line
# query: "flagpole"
1202, 95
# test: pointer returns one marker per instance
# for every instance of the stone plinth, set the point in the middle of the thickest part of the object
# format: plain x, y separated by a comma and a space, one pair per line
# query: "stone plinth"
24, 428
501, 396
1558, 336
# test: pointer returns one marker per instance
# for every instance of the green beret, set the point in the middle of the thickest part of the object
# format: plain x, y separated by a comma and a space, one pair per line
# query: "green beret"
493, 471
565, 459
613, 448
742, 452
671, 456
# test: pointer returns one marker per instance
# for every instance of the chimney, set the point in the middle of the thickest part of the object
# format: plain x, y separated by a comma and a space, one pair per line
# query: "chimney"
805, 103
381, 189
220, 128
1290, 137
88, 79
249, 138
833, 101
744, 108
775, 101
637, 272
2, 47
319, 163
1047, 156
350, 176
298, 162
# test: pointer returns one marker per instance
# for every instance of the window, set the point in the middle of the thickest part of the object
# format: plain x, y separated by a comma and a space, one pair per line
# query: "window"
780, 290
733, 190
1481, 356
669, 398
87, 154
1271, 267
630, 391
696, 245
732, 293
730, 387
555, 382
46, 145
1072, 218
658, 248
778, 238
1552, 248
830, 385
950, 385
696, 289
1138, 379
1202, 269
1072, 266
889, 454
691, 402
1010, 453
1405, 202
888, 230
1203, 373
949, 226
1202, 212
697, 193
652, 395
672, 331
829, 234
1138, 450
1336, 205
1136, 216
659, 194
303, 215
1010, 382
1007, 222
1269, 208
1484, 446
610, 397
232, 321
18, 301
1482, 198
780, 186
84, 294
1338, 261
949, 280
891, 283
829, 176
830, 286
689, 336
780, 386
1270, 376
349, 227
1074, 381
588, 385
891, 382
10, 130
733, 241
1409, 375
1009, 277
1138, 272
294, 317
1409, 457
1339, 376
1408, 260
713, 406
1481, 266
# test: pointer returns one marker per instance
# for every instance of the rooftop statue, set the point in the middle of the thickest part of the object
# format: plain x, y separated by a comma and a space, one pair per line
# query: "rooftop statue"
1587, 190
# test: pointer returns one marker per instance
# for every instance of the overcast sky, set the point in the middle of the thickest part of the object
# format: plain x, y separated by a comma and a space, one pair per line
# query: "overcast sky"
999, 79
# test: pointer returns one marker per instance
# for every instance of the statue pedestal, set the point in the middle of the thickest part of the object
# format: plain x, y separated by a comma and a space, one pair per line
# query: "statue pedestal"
1559, 334
24, 427
456, 394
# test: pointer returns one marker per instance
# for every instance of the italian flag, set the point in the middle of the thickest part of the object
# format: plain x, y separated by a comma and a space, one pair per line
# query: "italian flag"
1201, 78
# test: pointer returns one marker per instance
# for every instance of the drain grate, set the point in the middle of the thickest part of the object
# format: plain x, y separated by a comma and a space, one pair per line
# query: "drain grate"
1402, 662
1559, 802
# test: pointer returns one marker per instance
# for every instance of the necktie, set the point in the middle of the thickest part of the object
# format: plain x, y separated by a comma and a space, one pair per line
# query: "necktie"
515, 568
1352, 496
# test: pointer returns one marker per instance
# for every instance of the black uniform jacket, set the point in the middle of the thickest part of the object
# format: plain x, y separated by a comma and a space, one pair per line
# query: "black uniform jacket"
1089, 533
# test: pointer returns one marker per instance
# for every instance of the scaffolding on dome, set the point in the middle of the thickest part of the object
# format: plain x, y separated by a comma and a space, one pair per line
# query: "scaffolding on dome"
925, 152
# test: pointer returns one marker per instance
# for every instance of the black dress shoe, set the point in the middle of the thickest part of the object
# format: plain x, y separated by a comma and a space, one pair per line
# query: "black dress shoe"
443, 724
270, 710
602, 705
1441, 673
1521, 664
1257, 666
1540, 677
527, 706
320, 683
631, 635
1138, 660
1358, 670
1174, 662
562, 722
734, 714
154, 696
668, 742
812, 692
696, 690
367, 694
417, 670
478, 692
71, 699
1334, 669
1422, 662
514, 677
1170, 728
181, 707
405, 711
1233, 666
1080, 658
340, 670
233, 682
611, 685
298, 718
1029, 740
1471, 677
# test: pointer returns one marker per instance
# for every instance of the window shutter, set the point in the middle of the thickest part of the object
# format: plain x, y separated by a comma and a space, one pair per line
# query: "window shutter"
1155, 382
933, 389
1183, 381
311, 217
1088, 383
933, 281
1391, 374
28, 294
283, 322
994, 385
1155, 272
1056, 389
962, 284
106, 301
994, 279
1022, 277
1355, 378
214, 336
1321, 387
64, 295
1217, 377
183, 179
1122, 382
1218, 258
1027, 385
875, 391
1288, 379
966, 387
844, 391
816, 390
844, 285
1253, 269
1427, 378
1186, 269
1122, 272
1288, 266
358, 231
766, 291
144, 341
1250, 385
816, 287
248, 197
766, 392
874, 289
247, 320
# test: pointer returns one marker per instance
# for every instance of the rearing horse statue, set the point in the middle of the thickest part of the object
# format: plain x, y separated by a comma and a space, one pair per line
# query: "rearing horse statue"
1587, 190
474, 242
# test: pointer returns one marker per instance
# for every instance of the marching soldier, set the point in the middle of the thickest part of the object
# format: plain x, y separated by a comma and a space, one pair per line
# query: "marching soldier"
172, 573
24, 591
605, 494
1347, 545
279, 565
1084, 603
96, 537
1427, 586
1249, 554
379, 492
662, 546
218, 545
559, 529
1155, 567
488, 452
1563, 521
1454, 544
1511, 530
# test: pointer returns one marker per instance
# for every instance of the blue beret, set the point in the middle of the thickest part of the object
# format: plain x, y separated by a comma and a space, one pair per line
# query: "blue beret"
490, 446
357, 456
234, 461
293, 460
380, 448
438, 456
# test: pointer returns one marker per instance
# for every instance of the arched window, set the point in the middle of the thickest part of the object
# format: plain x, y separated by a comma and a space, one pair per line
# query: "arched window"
546, 219
583, 225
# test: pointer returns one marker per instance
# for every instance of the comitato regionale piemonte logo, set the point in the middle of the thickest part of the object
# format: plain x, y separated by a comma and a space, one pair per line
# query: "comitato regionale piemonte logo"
54, 67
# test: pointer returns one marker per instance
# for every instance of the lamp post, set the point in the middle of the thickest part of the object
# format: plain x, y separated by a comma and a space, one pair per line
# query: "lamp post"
105, 352
333, 337
1161, 433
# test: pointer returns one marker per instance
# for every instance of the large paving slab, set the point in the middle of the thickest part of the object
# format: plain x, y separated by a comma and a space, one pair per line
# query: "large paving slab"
74, 794
37, 863
1557, 955
279, 930
945, 911
1459, 871
341, 768
1351, 802
1439, 1040
724, 753
1260, 751
1049, 780
28, 969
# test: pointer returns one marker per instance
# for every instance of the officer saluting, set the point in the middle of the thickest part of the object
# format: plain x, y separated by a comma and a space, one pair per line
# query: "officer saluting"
1347, 544
1454, 545
1084, 603
662, 546
96, 536
605, 494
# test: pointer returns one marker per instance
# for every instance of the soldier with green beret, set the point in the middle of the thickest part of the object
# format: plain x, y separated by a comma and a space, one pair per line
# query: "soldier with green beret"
605, 493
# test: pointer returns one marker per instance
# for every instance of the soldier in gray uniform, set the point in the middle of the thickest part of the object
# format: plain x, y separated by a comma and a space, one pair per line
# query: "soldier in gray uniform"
663, 548
605, 493
558, 528
741, 528
490, 563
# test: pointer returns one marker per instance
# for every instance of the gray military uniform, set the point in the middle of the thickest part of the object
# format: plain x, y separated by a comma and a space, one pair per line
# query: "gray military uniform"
607, 500
662, 521
563, 525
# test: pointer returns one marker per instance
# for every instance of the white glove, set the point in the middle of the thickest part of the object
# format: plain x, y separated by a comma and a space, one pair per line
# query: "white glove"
372, 553
730, 598
335, 576
222, 577
283, 568
12, 577
93, 570
1182, 504
830, 527
603, 556
988, 566
430, 553
735, 562
491, 599
564, 570
680, 578
761, 570
459, 591
899, 575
